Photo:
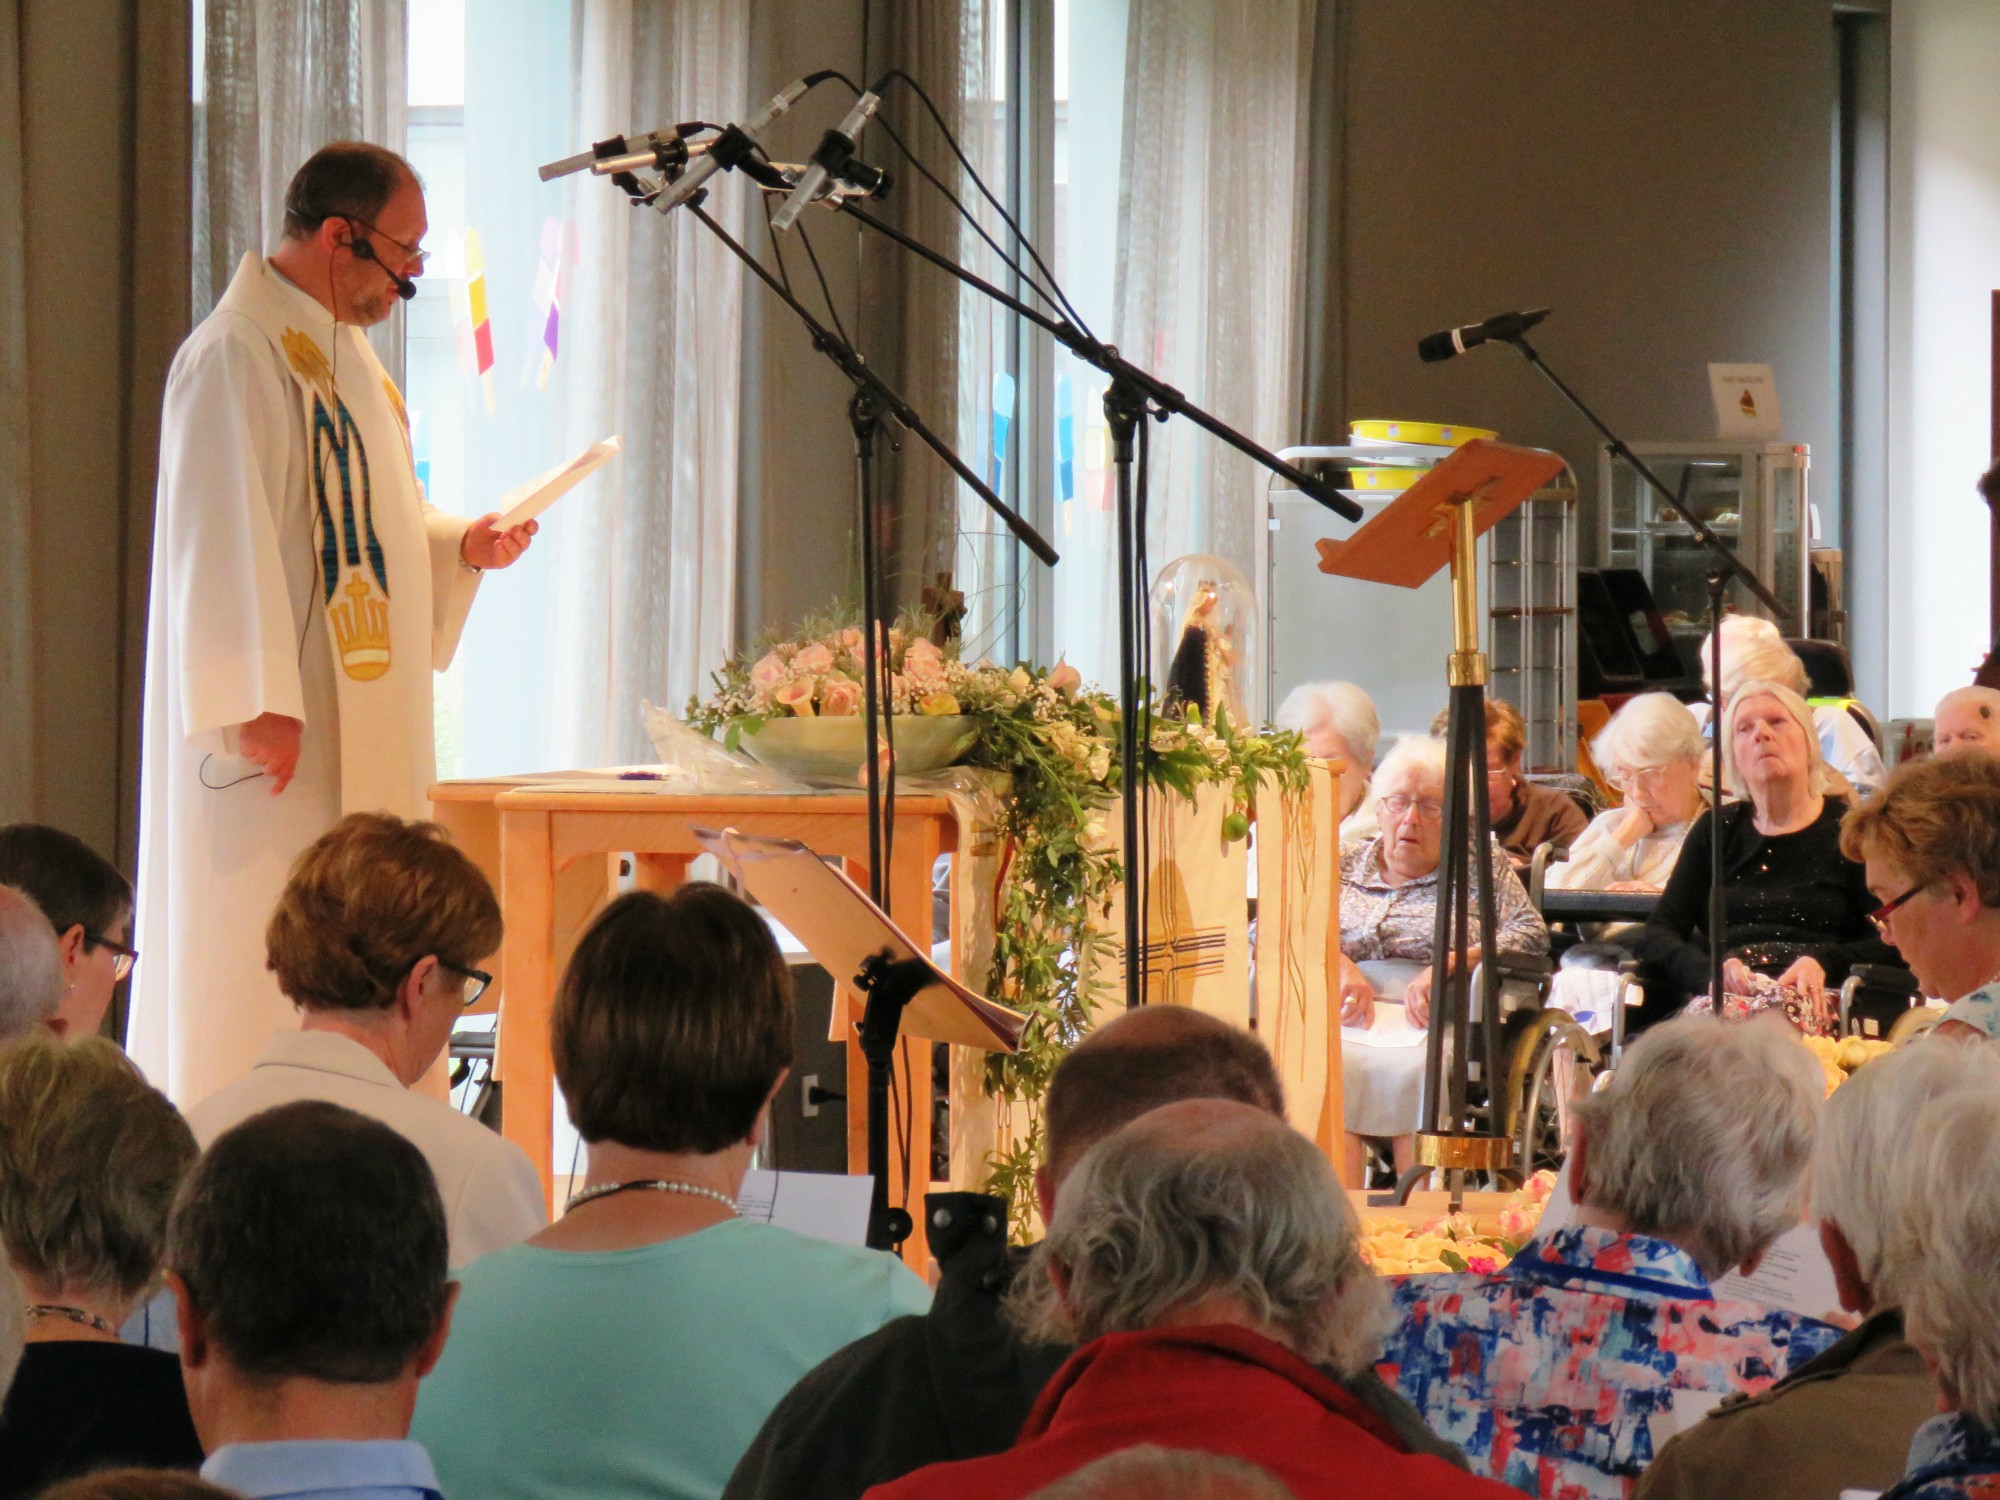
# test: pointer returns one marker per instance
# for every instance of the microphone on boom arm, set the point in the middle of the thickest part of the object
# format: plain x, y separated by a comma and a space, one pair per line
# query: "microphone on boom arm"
1455, 341
834, 158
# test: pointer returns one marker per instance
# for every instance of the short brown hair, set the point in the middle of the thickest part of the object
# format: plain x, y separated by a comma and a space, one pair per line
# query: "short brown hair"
348, 179
138, 1484
1936, 817
1506, 731
91, 1156
367, 899
1171, 1053
673, 1022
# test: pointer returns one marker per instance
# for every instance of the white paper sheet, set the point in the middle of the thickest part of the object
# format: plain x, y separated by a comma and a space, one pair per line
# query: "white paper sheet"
1390, 1028
1688, 1408
526, 501
1794, 1275
822, 1205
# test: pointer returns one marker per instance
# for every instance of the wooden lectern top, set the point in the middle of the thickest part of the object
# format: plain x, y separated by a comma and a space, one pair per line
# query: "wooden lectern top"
842, 928
1412, 538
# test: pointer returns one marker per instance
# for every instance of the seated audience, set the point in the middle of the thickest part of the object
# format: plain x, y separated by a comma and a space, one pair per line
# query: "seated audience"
307, 1256
1871, 1388
1966, 718
1339, 723
661, 1323
1753, 650
1651, 751
1525, 815
1153, 1472
88, 903
1208, 1265
1688, 1165
1797, 909
138, 1484
374, 940
1945, 1244
90, 1159
1388, 913
958, 1382
1930, 845
31, 968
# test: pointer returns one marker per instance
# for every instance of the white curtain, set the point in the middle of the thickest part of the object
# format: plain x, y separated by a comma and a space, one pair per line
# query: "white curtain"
281, 79
16, 640
1210, 225
646, 561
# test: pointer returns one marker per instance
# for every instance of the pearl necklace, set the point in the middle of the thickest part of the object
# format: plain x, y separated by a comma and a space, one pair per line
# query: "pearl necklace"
653, 1185
74, 1314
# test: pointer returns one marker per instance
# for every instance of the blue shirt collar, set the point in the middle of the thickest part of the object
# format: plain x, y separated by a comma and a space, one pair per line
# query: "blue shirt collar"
323, 1467
1952, 1442
1605, 1260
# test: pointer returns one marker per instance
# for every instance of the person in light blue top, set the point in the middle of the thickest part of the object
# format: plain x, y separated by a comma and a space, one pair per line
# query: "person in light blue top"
635, 1347
307, 1258
1930, 848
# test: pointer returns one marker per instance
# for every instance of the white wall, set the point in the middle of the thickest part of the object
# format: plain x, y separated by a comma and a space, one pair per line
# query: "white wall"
1944, 267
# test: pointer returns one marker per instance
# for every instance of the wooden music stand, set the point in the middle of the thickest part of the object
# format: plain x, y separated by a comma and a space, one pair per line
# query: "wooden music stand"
857, 943
1438, 521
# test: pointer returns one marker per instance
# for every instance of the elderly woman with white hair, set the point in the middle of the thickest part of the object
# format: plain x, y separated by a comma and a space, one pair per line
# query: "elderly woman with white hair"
1754, 651
1796, 909
1388, 917
1944, 1244
1872, 1388
1651, 751
1686, 1166
1210, 1268
1339, 722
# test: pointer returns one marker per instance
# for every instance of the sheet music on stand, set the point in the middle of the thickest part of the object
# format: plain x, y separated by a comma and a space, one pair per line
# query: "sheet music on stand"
842, 928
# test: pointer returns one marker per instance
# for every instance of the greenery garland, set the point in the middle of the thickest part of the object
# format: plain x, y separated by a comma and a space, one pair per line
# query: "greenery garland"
1055, 740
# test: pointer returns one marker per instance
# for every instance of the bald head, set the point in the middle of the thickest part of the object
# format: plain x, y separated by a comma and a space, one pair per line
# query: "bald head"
31, 969
1967, 718
1142, 1059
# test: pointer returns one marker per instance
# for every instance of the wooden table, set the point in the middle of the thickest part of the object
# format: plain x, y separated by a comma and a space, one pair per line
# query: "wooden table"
552, 851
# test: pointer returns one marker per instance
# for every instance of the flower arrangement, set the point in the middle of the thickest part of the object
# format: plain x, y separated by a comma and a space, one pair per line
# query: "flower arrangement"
1456, 1242
1054, 739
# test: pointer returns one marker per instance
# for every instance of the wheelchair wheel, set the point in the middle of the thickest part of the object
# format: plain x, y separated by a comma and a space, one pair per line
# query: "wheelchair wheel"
1551, 1064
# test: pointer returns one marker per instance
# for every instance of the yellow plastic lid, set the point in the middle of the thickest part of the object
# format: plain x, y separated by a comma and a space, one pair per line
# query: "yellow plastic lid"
1436, 434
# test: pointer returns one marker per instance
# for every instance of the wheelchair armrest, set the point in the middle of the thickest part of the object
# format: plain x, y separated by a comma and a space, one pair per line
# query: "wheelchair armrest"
1891, 977
1546, 854
1527, 966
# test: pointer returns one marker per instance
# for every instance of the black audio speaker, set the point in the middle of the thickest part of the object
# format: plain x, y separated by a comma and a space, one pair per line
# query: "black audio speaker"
809, 1116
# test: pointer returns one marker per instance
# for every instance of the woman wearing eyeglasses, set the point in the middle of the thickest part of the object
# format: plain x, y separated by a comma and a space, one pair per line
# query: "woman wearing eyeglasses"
1388, 914
374, 940
1652, 750
1796, 910
90, 906
1930, 845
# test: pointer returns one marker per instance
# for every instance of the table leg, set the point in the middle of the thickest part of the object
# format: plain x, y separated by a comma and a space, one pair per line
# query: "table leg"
528, 950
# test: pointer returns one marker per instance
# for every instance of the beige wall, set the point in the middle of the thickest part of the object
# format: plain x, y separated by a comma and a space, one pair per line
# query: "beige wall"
1658, 173
105, 117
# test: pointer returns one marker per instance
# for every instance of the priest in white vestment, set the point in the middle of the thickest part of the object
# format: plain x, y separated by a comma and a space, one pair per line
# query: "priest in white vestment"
303, 592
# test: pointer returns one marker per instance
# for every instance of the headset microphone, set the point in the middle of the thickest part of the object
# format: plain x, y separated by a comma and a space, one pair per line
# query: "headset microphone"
405, 288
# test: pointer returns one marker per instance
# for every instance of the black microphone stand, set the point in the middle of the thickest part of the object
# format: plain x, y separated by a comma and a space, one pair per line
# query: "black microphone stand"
1727, 566
1132, 396
888, 987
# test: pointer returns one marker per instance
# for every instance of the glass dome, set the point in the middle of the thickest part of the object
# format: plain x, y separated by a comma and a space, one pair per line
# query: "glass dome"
1204, 637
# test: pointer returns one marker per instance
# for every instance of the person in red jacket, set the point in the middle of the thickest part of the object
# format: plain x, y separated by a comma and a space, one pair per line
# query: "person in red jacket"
1206, 1261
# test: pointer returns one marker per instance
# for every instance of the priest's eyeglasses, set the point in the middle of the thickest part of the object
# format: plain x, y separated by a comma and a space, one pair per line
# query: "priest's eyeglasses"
122, 957
412, 255
476, 982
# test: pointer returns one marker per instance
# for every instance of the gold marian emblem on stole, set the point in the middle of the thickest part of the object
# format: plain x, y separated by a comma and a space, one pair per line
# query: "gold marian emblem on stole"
343, 499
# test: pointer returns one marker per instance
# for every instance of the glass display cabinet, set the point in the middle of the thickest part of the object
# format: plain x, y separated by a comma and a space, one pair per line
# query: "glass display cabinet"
1752, 495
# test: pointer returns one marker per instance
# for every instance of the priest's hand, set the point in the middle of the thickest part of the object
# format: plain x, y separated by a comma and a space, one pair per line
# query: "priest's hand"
484, 547
271, 741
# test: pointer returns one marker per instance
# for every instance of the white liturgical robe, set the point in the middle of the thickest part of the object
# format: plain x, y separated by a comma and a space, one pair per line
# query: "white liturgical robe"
296, 570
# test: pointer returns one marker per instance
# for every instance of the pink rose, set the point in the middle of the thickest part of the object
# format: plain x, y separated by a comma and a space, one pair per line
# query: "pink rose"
839, 698
813, 658
1065, 679
796, 695
850, 640
770, 669
1482, 1265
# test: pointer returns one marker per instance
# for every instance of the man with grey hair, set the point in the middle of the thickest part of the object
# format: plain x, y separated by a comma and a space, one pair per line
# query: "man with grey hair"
958, 1382
1688, 1165
1210, 1267
31, 969
1871, 1387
